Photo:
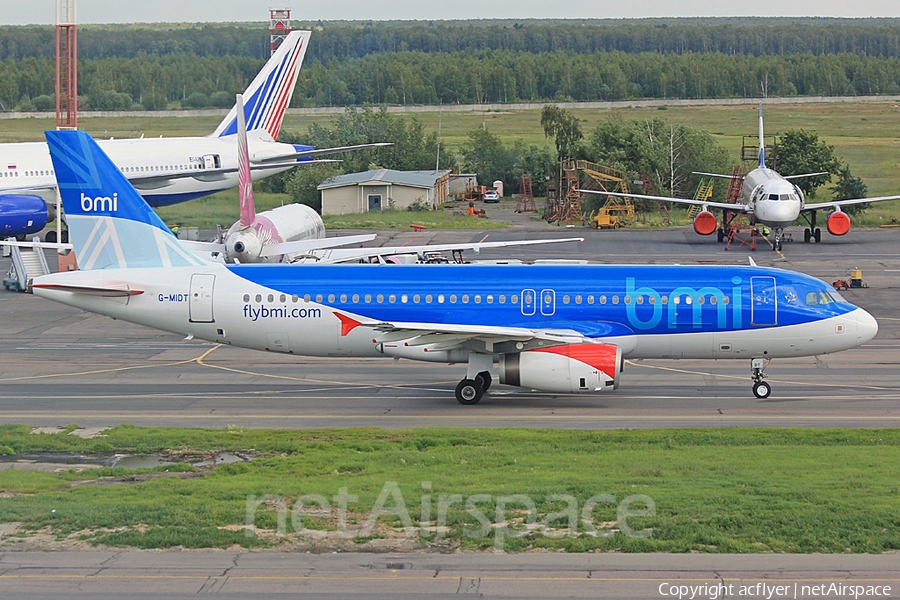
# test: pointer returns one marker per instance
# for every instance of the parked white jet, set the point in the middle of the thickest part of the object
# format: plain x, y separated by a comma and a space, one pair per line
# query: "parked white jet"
769, 199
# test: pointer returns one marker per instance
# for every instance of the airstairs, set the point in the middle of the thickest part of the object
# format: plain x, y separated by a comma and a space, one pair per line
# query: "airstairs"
27, 263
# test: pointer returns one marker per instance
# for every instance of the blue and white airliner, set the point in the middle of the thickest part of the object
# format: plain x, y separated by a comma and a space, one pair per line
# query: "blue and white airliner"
555, 328
171, 170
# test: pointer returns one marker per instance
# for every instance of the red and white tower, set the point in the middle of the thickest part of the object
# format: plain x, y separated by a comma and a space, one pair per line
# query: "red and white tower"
66, 66
279, 26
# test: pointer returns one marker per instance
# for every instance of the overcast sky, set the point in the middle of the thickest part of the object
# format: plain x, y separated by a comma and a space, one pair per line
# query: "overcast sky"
21, 12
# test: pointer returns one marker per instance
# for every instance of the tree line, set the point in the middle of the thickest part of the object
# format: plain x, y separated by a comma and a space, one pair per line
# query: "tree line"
186, 80
345, 40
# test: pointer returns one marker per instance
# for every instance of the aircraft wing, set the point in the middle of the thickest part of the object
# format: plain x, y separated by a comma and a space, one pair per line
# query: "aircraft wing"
721, 205
320, 244
447, 336
837, 203
355, 254
160, 180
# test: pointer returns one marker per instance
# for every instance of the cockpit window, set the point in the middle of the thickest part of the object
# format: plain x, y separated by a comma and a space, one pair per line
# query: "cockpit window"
838, 298
785, 196
773, 196
824, 298
812, 298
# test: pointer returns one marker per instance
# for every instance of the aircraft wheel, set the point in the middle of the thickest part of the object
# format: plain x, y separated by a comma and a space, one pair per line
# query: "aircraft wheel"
720, 235
807, 235
468, 391
484, 380
818, 235
65, 236
761, 389
50, 238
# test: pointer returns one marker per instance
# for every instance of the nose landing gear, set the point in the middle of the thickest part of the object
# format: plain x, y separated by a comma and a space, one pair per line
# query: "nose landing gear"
761, 389
779, 239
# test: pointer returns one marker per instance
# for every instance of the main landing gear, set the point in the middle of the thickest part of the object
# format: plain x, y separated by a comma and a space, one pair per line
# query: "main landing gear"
812, 232
761, 389
478, 379
470, 391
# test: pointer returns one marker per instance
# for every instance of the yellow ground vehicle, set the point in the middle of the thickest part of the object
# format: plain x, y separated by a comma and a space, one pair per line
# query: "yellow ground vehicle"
604, 220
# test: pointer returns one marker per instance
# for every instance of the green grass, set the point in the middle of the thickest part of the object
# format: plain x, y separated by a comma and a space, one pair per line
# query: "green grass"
734, 490
218, 209
866, 135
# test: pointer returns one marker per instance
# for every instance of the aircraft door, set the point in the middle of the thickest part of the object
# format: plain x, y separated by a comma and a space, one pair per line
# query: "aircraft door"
529, 300
201, 303
548, 302
765, 307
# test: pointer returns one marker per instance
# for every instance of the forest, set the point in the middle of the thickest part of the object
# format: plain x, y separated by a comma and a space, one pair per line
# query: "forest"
197, 66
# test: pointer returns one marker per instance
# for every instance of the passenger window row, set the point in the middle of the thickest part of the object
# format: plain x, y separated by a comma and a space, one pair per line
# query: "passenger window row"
476, 299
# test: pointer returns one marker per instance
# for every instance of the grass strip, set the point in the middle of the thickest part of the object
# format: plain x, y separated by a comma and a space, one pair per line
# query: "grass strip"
728, 490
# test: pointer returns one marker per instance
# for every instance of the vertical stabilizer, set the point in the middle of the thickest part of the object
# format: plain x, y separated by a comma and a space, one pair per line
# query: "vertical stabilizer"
110, 225
245, 182
762, 141
268, 95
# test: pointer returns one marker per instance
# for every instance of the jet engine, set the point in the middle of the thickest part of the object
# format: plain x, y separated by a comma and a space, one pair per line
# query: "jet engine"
838, 223
705, 223
21, 214
565, 369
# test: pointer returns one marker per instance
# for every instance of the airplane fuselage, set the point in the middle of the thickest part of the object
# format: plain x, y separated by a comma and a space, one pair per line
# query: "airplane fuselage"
647, 311
774, 200
32, 169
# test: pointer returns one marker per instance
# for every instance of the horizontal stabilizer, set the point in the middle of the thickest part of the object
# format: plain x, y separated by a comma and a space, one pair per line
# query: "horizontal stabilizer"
316, 152
805, 175
105, 291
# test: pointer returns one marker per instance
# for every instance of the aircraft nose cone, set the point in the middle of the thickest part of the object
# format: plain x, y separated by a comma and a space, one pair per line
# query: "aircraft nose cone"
866, 326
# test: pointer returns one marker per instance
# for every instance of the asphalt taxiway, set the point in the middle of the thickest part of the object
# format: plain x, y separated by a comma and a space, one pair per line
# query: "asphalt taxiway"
268, 574
61, 365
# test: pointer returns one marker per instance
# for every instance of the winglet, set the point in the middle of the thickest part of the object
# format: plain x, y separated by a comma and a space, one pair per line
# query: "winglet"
752, 262
762, 140
245, 183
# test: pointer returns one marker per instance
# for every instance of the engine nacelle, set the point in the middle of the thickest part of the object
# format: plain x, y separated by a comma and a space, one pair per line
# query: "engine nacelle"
705, 223
838, 223
565, 369
22, 214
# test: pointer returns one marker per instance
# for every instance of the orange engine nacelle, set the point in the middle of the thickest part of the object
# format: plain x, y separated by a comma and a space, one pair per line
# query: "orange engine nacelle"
566, 369
705, 223
838, 223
